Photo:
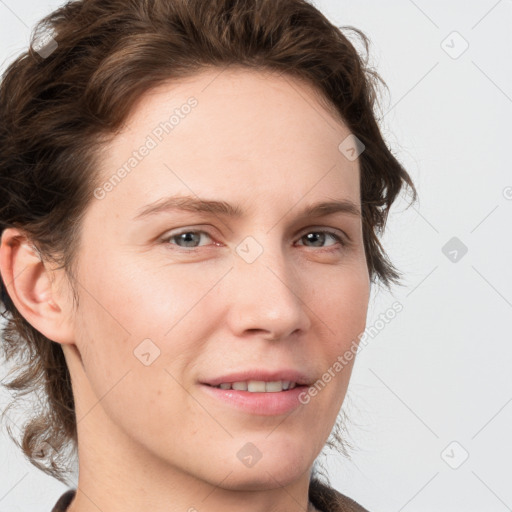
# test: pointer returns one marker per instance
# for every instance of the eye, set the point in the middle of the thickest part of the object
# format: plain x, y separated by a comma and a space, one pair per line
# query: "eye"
188, 238
320, 236
191, 239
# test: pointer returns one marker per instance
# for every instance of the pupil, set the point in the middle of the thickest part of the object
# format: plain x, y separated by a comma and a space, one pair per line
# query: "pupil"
186, 237
309, 237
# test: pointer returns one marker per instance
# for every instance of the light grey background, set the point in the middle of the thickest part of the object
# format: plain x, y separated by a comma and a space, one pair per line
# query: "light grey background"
434, 385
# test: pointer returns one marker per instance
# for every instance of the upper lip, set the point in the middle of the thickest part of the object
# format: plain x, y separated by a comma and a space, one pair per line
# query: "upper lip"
288, 374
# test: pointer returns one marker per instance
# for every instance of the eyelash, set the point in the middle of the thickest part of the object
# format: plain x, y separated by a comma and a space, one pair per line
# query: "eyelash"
332, 248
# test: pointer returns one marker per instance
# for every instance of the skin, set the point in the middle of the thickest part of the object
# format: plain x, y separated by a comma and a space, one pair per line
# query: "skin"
149, 436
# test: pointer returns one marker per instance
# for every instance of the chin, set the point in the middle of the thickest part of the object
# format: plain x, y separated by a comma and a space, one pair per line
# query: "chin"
270, 466
266, 477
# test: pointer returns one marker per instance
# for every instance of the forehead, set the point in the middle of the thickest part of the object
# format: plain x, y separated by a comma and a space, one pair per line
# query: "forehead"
235, 131
233, 97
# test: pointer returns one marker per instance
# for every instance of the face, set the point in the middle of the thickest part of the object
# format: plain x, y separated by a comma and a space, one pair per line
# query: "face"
176, 297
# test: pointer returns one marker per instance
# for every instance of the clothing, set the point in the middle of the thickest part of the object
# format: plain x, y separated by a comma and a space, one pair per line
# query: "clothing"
324, 498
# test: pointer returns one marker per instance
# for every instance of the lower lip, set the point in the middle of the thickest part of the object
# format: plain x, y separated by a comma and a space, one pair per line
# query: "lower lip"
265, 404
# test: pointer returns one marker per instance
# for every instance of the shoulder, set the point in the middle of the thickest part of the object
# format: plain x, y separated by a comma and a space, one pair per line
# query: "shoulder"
325, 498
328, 499
64, 501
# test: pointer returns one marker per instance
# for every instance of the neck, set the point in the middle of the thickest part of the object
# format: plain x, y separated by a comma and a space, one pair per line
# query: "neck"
120, 474
117, 476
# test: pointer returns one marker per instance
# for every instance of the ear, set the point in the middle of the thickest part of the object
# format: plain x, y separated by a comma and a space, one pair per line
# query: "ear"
30, 286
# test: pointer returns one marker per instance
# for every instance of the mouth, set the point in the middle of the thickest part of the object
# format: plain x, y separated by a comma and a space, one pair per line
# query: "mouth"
252, 396
258, 386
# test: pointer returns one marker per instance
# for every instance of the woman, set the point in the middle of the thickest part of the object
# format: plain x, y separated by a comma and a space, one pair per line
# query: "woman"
191, 196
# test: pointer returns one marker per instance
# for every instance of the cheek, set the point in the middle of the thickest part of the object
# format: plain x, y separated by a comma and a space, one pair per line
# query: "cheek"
343, 305
134, 301
130, 310
131, 366
157, 298
340, 310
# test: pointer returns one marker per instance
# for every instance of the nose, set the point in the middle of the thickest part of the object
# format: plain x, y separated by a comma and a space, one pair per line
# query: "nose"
266, 297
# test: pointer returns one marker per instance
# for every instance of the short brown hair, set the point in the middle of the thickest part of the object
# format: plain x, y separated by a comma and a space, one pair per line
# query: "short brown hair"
58, 110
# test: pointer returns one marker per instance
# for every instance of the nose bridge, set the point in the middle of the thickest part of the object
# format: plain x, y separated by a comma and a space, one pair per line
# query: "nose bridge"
267, 288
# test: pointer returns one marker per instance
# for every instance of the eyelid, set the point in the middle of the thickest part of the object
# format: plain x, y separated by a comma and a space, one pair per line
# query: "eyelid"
327, 229
180, 231
344, 239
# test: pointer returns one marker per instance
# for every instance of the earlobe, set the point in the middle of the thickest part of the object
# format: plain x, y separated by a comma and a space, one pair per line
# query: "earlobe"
29, 285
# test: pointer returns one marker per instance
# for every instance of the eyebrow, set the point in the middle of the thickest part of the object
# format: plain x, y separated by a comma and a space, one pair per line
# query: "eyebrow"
222, 208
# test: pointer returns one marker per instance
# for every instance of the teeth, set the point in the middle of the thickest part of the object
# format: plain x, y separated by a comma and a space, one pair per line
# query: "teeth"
259, 386
273, 387
256, 386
